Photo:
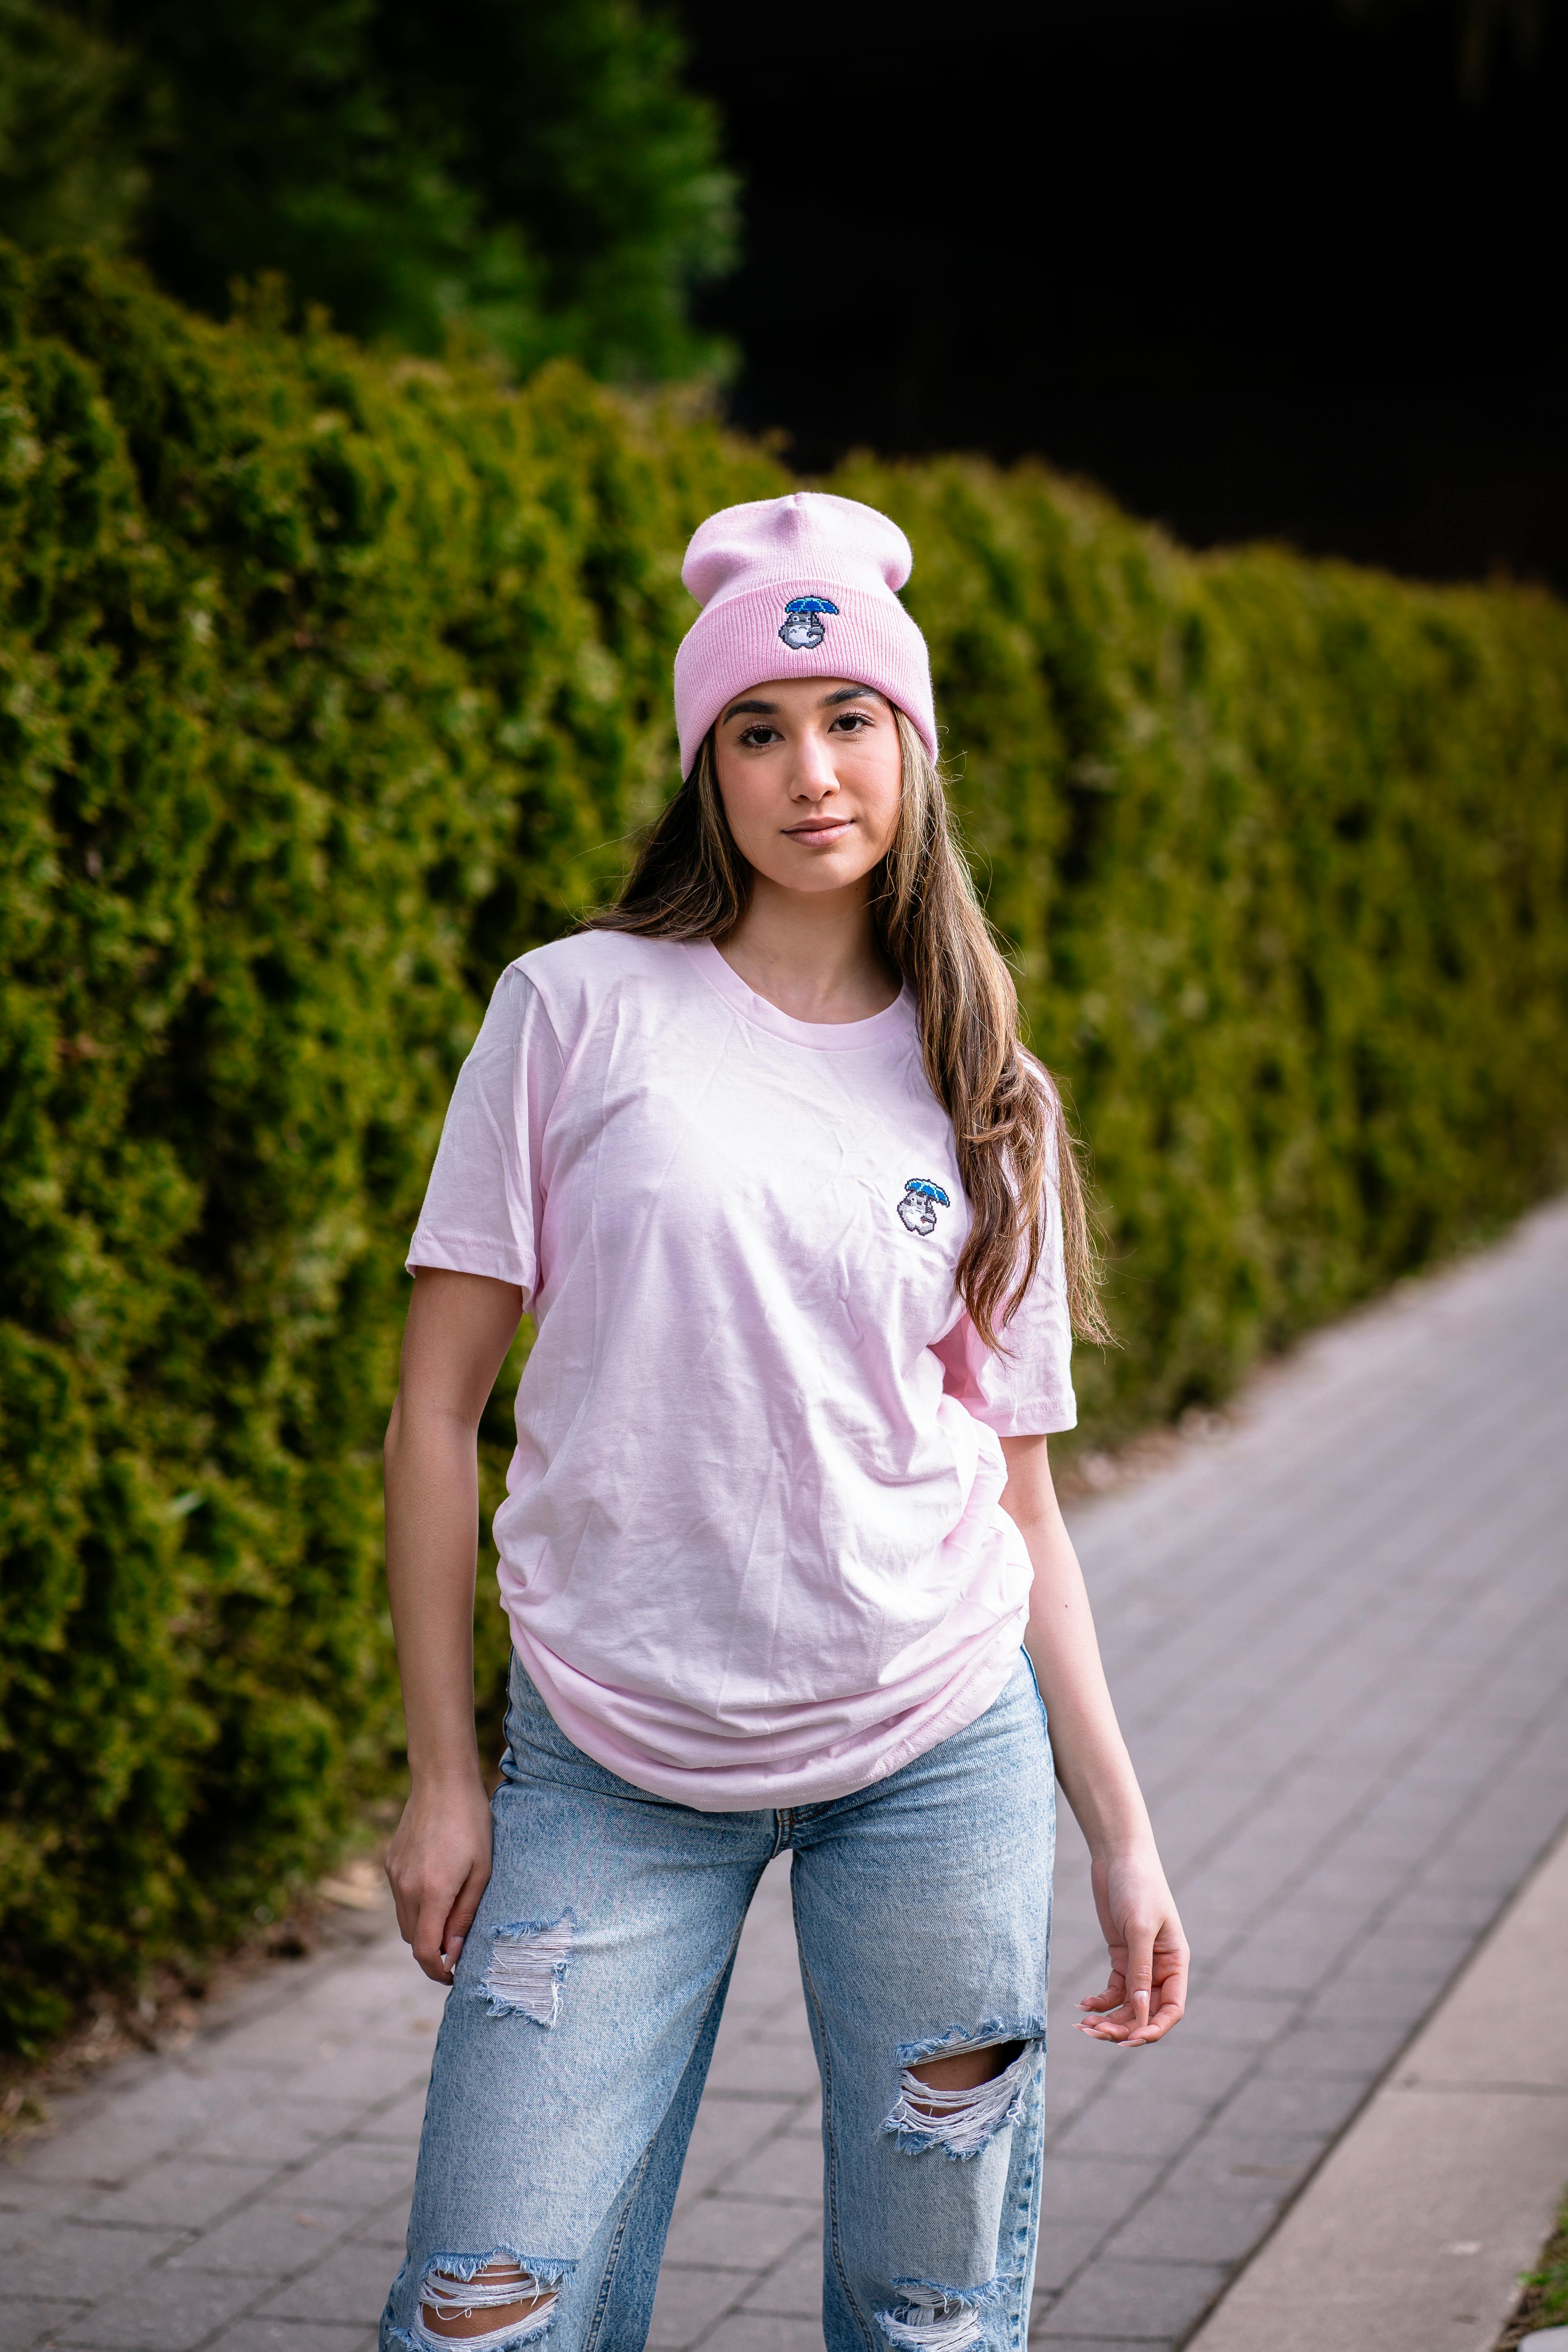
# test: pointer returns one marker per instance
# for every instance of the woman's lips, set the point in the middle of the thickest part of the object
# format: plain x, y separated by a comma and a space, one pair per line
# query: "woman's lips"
828, 829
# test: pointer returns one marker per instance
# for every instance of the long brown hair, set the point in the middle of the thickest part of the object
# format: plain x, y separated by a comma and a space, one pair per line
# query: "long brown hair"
690, 882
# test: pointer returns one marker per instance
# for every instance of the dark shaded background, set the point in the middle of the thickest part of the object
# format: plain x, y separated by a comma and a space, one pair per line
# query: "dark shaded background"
1258, 266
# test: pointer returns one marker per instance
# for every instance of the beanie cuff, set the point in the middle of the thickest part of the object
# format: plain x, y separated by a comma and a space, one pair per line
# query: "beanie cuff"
735, 642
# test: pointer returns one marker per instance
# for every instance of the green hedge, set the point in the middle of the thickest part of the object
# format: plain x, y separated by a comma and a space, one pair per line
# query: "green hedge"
327, 683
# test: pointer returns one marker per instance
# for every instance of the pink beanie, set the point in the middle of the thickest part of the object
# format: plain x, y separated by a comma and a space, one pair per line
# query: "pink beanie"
798, 587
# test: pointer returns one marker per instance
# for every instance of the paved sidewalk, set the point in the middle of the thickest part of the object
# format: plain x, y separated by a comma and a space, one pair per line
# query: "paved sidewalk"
1339, 1641
1414, 2235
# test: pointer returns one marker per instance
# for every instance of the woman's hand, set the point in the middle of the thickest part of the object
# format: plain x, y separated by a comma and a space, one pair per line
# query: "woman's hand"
1147, 1991
459, 1329
439, 1865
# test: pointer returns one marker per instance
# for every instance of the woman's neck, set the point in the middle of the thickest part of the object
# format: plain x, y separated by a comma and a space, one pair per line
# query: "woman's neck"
815, 954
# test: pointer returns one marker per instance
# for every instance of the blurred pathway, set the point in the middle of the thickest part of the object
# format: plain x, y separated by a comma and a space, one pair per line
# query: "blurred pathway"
1339, 1639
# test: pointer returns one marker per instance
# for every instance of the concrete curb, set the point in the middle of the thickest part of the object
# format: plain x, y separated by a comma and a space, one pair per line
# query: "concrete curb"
1412, 2235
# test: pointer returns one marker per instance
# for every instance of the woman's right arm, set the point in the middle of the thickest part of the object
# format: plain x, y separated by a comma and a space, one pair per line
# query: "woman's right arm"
459, 1330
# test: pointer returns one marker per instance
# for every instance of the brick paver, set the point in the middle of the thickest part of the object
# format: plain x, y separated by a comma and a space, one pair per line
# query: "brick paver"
1338, 1639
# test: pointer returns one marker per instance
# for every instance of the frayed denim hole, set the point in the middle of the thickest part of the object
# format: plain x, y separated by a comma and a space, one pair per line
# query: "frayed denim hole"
548, 2269
458, 2285
974, 2298
955, 2039
961, 2123
527, 1968
936, 2319
526, 2330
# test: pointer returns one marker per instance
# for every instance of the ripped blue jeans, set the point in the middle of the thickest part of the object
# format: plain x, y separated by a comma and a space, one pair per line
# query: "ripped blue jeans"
577, 2036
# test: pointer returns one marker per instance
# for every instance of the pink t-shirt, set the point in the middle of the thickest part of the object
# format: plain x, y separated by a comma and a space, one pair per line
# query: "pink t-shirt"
751, 1551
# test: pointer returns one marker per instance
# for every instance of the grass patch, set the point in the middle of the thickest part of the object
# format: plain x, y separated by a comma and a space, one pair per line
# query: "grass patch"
1544, 2300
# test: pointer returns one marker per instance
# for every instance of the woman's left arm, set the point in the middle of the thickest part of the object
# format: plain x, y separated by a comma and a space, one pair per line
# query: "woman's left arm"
1147, 1990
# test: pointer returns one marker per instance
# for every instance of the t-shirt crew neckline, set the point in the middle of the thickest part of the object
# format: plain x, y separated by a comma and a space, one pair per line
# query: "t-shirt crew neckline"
826, 1036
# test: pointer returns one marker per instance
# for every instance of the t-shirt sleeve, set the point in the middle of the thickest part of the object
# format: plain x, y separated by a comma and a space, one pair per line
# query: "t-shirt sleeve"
484, 1202
1024, 1390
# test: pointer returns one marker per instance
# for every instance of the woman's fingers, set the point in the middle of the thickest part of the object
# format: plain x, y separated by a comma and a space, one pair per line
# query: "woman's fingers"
1167, 2014
460, 1918
1139, 1981
1170, 2000
1108, 2015
435, 1941
1147, 1990
429, 1937
1114, 2018
1165, 2010
1114, 1996
438, 1865
438, 1917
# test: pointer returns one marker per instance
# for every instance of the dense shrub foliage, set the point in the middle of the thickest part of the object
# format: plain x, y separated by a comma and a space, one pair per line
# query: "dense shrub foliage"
327, 684
536, 176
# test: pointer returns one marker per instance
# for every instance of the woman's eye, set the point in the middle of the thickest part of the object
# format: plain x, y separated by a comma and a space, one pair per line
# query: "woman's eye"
852, 721
757, 736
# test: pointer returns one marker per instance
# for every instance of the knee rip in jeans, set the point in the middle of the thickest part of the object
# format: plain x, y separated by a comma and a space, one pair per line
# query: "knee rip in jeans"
498, 2301
961, 2118
928, 2318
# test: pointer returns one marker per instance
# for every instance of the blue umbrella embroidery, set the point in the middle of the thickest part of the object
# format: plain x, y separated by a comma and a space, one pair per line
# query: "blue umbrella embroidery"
803, 626
921, 1203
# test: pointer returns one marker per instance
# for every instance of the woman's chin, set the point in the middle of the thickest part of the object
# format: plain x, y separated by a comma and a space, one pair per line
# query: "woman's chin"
832, 865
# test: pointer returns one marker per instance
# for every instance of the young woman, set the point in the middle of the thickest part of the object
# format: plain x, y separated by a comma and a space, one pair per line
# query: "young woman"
800, 1232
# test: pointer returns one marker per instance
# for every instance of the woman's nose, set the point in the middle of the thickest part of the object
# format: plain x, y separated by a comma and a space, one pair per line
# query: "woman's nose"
813, 773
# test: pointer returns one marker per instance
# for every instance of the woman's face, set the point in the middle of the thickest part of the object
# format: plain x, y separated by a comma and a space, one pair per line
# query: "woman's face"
809, 773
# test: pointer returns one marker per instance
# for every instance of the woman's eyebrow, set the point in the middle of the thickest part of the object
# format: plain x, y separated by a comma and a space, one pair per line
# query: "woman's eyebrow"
766, 709
851, 694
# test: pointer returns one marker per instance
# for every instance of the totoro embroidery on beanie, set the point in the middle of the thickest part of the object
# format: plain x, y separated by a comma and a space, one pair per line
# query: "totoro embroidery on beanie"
803, 586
